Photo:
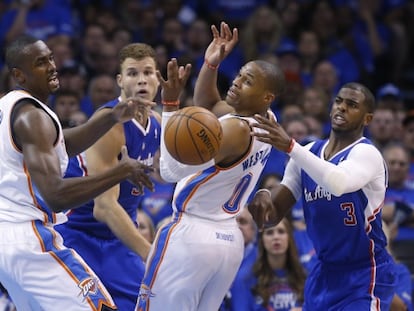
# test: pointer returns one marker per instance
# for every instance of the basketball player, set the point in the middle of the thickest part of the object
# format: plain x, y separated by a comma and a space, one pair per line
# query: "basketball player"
195, 257
37, 270
104, 231
342, 182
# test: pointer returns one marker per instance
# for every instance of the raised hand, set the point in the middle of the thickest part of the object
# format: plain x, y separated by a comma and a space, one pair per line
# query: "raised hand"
177, 78
130, 108
139, 173
274, 133
222, 44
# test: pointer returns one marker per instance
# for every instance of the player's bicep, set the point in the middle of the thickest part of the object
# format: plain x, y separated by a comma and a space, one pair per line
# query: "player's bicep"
235, 141
36, 133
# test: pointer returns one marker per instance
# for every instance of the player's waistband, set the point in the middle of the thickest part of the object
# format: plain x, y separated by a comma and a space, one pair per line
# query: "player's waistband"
190, 218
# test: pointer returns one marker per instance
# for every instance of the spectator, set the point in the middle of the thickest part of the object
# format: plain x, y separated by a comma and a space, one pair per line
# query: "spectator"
145, 226
382, 127
43, 19
316, 103
325, 77
389, 95
408, 140
278, 278
102, 89
262, 33
399, 196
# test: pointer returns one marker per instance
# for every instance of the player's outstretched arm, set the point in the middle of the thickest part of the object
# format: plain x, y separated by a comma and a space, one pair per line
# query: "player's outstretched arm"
358, 169
102, 156
83, 136
206, 93
36, 134
170, 169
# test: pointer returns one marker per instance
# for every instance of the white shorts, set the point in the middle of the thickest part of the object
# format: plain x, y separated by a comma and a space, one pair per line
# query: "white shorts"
191, 265
42, 274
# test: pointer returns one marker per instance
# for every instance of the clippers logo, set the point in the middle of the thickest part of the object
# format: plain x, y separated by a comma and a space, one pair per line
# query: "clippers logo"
88, 286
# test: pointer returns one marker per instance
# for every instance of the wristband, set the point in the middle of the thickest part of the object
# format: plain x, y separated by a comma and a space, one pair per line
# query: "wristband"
264, 190
210, 66
171, 103
291, 145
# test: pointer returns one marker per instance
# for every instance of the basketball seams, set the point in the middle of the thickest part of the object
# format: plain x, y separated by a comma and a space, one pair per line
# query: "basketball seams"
189, 135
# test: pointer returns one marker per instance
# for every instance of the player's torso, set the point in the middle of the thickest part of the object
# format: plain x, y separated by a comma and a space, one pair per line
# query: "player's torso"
345, 228
142, 144
219, 193
17, 192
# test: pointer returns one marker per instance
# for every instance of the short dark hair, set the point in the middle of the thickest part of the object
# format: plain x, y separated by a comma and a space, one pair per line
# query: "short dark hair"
17, 49
275, 77
369, 101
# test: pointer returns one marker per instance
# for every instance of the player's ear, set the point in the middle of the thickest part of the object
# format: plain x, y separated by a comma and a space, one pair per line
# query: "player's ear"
18, 76
119, 80
269, 97
368, 118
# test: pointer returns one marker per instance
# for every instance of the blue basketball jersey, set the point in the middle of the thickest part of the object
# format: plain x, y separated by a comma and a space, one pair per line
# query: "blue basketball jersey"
142, 144
345, 229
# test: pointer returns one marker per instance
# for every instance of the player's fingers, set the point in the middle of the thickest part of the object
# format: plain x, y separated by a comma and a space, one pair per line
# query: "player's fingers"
172, 70
184, 72
214, 31
222, 29
160, 78
235, 37
140, 103
147, 183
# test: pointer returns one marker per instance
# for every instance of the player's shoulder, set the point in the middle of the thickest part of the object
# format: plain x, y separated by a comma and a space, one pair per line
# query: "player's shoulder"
366, 149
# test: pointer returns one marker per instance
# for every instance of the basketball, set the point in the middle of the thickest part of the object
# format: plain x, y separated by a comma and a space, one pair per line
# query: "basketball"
193, 135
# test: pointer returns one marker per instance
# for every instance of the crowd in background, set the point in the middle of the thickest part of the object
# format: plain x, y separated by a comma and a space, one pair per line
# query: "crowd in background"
320, 45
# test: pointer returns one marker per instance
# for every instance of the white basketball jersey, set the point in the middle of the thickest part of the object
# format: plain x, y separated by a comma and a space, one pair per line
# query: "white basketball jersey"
218, 193
17, 192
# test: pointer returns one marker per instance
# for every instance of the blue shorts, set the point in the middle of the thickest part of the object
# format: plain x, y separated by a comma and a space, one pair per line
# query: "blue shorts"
351, 288
119, 269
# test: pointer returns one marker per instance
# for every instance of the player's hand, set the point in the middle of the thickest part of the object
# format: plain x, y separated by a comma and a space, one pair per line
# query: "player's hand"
222, 44
139, 173
177, 77
262, 209
130, 108
275, 135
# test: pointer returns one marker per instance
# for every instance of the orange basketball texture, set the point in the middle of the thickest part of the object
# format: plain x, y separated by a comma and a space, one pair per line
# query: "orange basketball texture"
193, 135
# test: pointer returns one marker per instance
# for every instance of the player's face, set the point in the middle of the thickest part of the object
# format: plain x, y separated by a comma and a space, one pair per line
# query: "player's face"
247, 92
37, 73
348, 112
138, 78
276, 240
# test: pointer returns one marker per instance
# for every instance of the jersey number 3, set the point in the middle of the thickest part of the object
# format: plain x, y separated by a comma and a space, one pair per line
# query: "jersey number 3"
350, 220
